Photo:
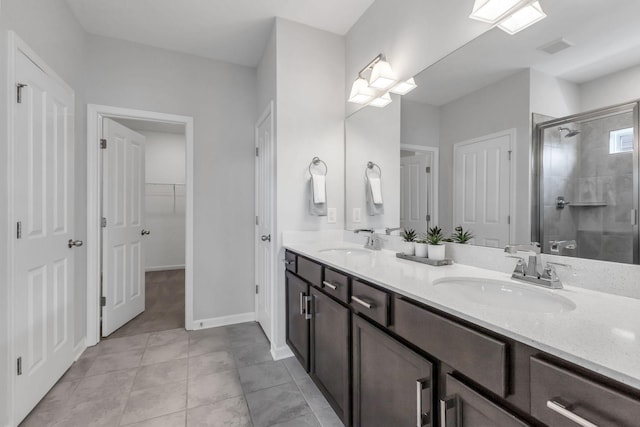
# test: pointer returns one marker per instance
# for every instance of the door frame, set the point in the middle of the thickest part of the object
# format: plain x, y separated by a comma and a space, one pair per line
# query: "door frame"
95, 113
15, 46
512, 134
268, 111
435, 175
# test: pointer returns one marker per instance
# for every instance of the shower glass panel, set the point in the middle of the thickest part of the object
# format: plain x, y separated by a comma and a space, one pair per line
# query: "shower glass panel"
588, 185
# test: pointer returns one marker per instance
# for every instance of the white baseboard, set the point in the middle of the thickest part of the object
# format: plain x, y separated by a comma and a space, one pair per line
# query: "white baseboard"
164, 267
79, 349
223, 321
280, 353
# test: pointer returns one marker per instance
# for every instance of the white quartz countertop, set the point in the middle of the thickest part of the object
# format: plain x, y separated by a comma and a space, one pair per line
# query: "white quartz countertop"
602, 333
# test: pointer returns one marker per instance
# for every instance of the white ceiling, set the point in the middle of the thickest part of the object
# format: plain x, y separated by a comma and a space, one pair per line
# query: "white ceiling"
604, 33
233, 31
151, 126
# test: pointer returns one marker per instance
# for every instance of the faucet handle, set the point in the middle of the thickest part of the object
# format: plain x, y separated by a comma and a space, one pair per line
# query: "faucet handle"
551, 266
521, 265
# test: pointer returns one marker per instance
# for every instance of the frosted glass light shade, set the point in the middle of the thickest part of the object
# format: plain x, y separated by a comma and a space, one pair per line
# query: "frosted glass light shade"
360, 92
492, 10
403, 88
381, 101
523, 18
382, 76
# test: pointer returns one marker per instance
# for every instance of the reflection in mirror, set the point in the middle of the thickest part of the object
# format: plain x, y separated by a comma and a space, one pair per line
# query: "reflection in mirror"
476, 107
373, 135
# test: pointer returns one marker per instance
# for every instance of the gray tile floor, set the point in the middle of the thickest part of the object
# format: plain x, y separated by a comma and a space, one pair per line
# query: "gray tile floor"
164, 305
214, 377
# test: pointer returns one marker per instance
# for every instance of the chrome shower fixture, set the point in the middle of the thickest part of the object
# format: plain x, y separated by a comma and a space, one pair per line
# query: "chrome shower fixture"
570, 132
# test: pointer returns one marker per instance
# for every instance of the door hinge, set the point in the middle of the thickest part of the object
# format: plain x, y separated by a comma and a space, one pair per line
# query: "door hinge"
508, 219
103, 143
257, 152
19, 230
428, 169
428, 218
19, 365
509, 153
256, 289
257, 220
103, 301
103, 222
19, 87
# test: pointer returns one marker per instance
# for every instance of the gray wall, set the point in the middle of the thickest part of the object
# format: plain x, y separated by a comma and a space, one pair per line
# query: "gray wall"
51, 30
222, 99
420, 124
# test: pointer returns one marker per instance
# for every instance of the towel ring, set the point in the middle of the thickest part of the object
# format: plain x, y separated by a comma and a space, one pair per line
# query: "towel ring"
370, 166
315, 162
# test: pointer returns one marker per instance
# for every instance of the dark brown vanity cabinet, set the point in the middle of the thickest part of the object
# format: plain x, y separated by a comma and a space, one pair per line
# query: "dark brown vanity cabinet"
330, 349
298, 317
392, 385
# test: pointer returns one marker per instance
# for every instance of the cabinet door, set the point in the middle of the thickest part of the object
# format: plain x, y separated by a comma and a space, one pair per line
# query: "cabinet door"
298, 324
392, 385
330, 351
465, 407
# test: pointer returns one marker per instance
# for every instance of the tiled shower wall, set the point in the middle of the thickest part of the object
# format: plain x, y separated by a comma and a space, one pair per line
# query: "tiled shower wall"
582, 170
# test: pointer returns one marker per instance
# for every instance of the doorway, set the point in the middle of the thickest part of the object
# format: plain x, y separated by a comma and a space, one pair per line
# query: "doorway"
154, 211
418, 187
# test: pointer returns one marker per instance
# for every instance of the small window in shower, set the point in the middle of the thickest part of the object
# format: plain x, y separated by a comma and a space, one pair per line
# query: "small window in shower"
621, 141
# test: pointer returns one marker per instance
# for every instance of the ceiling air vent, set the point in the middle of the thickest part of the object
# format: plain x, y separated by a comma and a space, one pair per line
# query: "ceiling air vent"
555, 46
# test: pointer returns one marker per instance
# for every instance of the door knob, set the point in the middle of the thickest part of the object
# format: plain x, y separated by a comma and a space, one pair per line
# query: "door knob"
145, 232
76, 243
266, 238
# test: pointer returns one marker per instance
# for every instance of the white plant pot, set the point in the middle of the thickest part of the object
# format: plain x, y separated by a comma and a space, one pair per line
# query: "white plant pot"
421, 250
436, 252
408, 248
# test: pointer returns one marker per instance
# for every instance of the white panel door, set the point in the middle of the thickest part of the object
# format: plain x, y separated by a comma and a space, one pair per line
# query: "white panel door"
481, 193
43, 201
123, 209
415, 192
264, 222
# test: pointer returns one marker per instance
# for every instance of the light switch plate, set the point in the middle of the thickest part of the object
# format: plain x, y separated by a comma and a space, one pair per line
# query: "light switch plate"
355, 215
332, 215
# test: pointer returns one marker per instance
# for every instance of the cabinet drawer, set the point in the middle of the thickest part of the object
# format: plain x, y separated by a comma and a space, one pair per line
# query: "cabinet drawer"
310, 271
474, 354
370, 302
336, 285
290, 261
553, 387
464, 406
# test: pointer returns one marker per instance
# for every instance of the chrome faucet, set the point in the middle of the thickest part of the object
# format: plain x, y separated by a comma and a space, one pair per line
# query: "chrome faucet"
532, 271
388, 230
373, 241
557, 245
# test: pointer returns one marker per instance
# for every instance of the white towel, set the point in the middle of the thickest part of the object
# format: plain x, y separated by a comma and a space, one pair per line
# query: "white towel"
319, 188
373, 208
317, 209
376, 190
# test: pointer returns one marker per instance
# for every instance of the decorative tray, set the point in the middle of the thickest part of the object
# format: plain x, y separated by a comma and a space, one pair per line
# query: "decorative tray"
428, 261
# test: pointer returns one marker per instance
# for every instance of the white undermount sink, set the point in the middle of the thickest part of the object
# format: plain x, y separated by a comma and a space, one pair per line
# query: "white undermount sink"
506, 295
346, 251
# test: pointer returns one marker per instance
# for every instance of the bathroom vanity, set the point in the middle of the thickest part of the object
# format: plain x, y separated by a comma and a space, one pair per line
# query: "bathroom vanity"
390, 342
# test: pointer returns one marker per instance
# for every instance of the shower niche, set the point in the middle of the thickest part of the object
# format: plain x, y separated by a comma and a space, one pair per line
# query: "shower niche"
586, 184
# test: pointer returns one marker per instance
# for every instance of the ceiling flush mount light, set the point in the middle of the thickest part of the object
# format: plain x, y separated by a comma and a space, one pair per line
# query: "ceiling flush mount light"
381, 101
403, 88
492, 11
381, 80
523, 18
511, 16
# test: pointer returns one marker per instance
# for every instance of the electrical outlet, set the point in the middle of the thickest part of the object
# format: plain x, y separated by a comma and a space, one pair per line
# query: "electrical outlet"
355, 215
332, 215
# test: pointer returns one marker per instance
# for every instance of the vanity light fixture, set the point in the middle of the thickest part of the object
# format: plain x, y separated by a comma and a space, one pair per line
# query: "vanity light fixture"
381, 101
511, 16
522, 18
360, 92
381, 80
403, 88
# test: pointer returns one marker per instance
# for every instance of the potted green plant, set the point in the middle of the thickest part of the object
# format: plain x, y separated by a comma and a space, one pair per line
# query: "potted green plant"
435, 239
408, 237
421, 245
461, 236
